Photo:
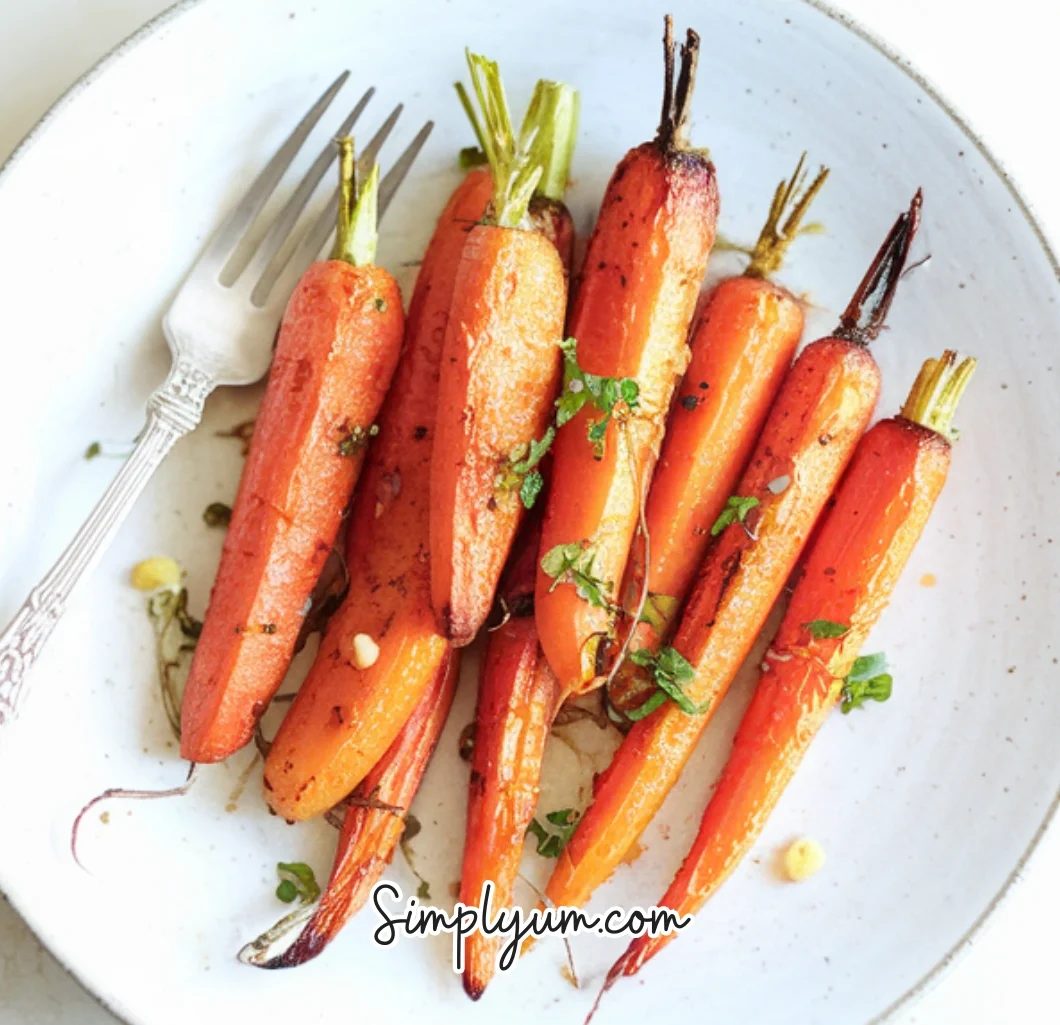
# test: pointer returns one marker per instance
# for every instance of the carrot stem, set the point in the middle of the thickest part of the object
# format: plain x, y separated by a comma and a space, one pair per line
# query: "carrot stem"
937, 391
877, 288
515, 174
357, 233
677, 103
551, 123
791, 198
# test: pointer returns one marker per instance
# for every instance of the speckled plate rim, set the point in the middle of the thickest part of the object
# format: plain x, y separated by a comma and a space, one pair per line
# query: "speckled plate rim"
965, 942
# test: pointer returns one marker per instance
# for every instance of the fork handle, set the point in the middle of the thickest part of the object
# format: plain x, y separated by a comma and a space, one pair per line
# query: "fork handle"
172, 411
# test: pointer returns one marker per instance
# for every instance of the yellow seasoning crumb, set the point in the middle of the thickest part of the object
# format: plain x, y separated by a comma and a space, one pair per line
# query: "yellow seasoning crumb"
804, 858
104, 817
928, 580
365, 651
152, 574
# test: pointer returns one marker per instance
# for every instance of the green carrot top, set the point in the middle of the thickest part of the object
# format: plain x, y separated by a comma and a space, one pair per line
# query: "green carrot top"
537, 161
936, 392
358, 223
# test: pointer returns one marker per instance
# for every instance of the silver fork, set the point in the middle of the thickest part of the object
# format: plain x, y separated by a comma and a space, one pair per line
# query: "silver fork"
220, 329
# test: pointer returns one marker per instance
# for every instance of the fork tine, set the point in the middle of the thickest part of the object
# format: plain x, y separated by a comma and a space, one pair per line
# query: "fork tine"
321, 229
231, 231
288, 216
396, 175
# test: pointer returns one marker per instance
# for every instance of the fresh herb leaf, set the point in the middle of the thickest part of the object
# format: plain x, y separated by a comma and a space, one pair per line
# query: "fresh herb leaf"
822, 629
671, 671
93, 450
643, 711
355, 438
296, 880
550, 842
868, 680
520, 469
658, 610
736, 509
217, 514
603, 393
573, 564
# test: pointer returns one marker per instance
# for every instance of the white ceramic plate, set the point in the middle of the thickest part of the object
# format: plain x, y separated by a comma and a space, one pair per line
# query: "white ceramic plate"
926, 806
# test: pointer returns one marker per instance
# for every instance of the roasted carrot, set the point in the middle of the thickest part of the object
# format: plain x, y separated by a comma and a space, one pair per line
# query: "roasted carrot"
344, 717
338, 346
501, 366
742, 346
517, 701
851, 567
372, 825
819, 414
632, 309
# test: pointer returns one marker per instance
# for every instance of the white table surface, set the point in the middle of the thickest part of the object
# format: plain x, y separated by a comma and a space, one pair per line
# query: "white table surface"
1000, 68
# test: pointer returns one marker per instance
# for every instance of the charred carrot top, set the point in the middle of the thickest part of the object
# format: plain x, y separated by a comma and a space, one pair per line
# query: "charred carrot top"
741, 348
373, 821
337, 349
850, 570
500, 360
633, 306
346, 716
819, 414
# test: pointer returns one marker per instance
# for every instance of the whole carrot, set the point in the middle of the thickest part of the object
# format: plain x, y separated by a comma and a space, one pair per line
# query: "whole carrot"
742, 346
517, 701
347, 714
852, 565
819, 414
372, 825
501, 366
632, 309
337, 349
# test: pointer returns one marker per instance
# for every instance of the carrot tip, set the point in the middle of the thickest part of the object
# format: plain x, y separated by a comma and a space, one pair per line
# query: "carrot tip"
473, 987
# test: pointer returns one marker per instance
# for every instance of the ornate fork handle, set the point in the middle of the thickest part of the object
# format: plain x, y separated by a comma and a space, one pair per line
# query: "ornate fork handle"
172, 411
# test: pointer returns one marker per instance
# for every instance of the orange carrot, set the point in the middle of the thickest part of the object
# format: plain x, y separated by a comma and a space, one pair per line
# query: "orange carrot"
337, 349
845, 582
517, 701
373, 823
822, 409
741, 348
501, 363
632, 310
345, 717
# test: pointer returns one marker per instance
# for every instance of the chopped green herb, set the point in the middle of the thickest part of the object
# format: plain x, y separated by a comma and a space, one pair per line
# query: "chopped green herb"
217, 514
551, 841
822, 629
868, 680
658, 610
735, 511
423, 891
355, 439
671, 671
176, 633
573, 564
643, 711
296, 881
380, 304
603, 393
93, 450
520, 469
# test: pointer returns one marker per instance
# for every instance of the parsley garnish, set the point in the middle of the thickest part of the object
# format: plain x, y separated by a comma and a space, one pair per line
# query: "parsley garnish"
735, 511
868, 680
822, 629
356, 438
550, 842
93, 450
297, 881
520, 469
603, 393
573, 564
671, 671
